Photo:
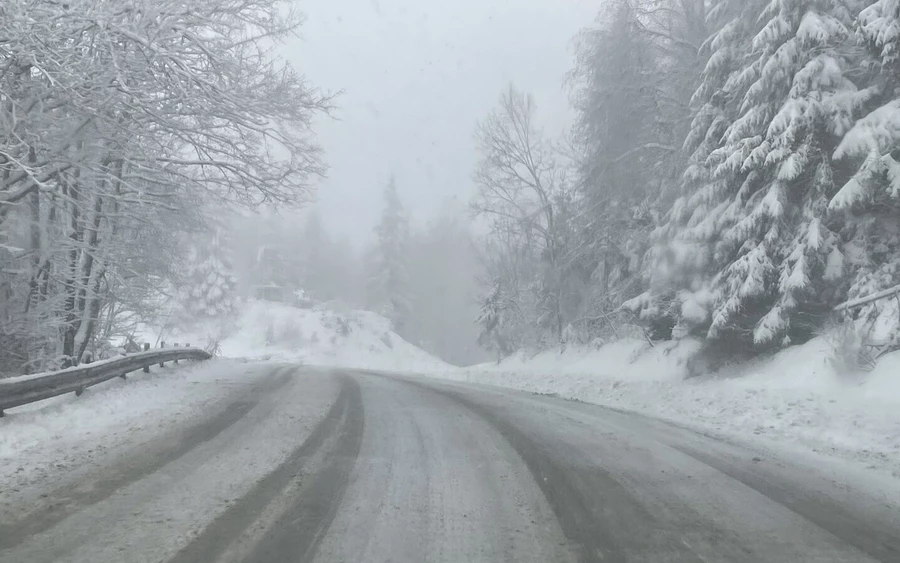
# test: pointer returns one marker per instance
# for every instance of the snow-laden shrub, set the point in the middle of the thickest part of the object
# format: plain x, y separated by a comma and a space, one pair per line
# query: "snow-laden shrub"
850, 353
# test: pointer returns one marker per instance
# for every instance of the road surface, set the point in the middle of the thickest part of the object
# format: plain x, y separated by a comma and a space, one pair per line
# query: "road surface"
349, 466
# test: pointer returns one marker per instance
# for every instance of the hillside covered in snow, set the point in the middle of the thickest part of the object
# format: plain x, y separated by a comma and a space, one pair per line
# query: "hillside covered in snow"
800, 397
322, 335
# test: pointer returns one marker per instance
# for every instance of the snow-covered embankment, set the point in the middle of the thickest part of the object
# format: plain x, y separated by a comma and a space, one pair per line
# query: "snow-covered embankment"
323, 335
796, 399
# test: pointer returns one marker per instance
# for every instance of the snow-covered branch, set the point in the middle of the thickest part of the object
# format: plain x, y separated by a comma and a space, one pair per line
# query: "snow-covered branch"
865, 300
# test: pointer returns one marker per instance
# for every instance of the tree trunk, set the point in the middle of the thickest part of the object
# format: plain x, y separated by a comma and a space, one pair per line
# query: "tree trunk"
93, 269
70, 312
88, 296
34, 205
91, 314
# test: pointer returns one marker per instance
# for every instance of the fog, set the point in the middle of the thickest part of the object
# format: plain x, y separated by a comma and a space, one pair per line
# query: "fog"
339, 280
489, 176
415, 77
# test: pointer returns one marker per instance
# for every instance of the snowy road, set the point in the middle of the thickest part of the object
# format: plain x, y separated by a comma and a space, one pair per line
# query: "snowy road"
344, 466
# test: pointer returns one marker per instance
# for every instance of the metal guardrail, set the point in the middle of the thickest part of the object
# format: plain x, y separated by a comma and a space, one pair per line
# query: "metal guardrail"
20, 391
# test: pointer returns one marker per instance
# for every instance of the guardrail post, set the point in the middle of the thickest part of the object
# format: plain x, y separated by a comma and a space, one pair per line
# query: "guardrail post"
162, 344
146, 349
176, 359
79, 391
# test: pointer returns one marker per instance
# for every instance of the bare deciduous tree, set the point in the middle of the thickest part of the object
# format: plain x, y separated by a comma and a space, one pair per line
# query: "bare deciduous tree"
520, 187
116, 115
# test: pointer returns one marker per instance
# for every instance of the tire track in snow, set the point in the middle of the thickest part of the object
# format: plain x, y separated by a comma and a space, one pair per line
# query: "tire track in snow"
70, 500
300, 527
879, 543
605, 508
595, 529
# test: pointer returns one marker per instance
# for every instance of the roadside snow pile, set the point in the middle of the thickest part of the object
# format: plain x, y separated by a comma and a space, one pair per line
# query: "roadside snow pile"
42, 437
796, 396
324, 335
666, 361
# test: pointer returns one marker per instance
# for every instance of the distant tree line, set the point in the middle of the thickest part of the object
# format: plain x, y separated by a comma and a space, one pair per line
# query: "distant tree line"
422, 277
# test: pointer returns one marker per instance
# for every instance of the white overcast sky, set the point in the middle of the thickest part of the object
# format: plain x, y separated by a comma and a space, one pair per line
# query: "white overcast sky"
417, 75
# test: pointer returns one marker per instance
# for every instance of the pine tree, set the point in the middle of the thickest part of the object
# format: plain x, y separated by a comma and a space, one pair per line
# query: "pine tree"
873, 143
616, 109
210, 284
753, 220
635, 74
491, 321
868, 204
679, 264
388, 282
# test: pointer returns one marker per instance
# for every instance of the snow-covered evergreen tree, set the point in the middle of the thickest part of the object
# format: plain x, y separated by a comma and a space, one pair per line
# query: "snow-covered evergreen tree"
388, 280
753, 241
490, 319
868, 204
210, 284
624, 155
636, 71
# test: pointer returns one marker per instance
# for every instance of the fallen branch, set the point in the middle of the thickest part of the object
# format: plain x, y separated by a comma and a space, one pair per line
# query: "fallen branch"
860, 301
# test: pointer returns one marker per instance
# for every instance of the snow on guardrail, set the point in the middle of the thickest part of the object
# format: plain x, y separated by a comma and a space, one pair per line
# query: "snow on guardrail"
26, 389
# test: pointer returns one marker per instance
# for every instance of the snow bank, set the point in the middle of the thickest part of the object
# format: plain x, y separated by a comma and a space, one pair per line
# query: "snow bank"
262, 331
30, 376
325, 335
664, 362
795, 397
64, 431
